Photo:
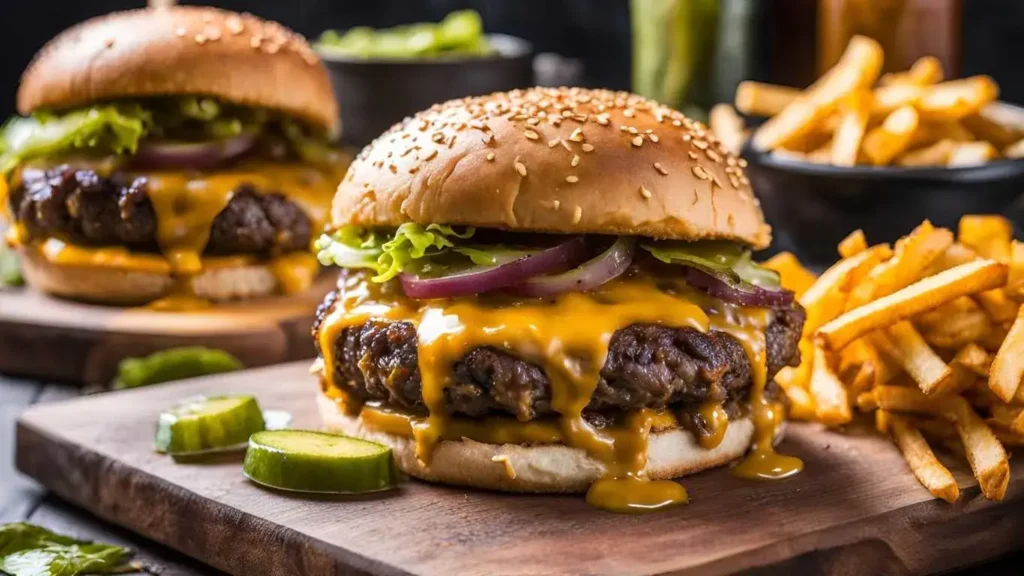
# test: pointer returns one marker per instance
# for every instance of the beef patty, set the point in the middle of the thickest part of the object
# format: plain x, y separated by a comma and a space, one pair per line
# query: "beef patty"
648, 366
89, 210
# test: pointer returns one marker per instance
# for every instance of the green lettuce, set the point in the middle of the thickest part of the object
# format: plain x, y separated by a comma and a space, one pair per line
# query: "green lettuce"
412, 247
28, 550
720, 256
116, 129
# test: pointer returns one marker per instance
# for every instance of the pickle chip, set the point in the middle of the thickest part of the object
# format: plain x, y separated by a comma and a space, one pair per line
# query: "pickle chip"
317, 462
204, 424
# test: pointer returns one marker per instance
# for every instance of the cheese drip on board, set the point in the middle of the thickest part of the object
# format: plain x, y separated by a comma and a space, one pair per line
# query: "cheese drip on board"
568, 337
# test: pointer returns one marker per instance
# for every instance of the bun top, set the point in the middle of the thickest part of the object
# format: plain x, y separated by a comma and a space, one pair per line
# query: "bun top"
563, 160
177, 51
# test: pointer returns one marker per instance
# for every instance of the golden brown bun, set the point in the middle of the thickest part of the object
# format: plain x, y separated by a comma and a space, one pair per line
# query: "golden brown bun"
543, 468
180, 50
127, 288
564, 160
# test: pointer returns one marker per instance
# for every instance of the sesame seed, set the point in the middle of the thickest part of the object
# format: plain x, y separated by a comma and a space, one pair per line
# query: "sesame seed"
431, 156
577, 215
677, 123
565, 145
572, 179
700, 144
633, 130
587, 147
255, 41
712, 155
659, 168
110, 43
742, 163
577, 135
623, 128
553, 142
414, 169
520, 167
638, 141
645, 192
212, 33
654, 138
602, 119
490, 156
200, 39
575, 160
566, 113
628, 113
555, 204
487, 137
180, 32
687, 137
692, 154
533, 121
235, 25
531, 135
393, 168
701, 173
273, 48
437, 137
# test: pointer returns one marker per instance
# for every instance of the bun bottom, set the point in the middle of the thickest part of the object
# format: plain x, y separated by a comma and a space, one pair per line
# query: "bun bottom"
541, 468
129, 288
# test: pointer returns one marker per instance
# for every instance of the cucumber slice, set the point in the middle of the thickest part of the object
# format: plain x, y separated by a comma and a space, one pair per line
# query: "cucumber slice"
307, 461
203, 424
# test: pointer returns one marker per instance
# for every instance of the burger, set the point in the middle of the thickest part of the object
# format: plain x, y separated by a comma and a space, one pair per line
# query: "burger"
177, 153
552, 290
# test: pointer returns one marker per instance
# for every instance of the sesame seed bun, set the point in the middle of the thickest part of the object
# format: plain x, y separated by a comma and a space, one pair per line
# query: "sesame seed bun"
539, 468
562, 160
181, 50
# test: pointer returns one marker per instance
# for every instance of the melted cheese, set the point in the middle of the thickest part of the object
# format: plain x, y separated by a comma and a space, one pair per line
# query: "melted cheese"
568, 338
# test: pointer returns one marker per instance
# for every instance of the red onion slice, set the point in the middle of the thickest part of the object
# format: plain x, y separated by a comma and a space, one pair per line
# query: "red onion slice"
604, 267
747, 296
484, 279
195, 155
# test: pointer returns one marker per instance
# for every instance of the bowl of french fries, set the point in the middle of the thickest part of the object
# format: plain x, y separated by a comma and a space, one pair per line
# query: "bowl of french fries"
925, 335
859, 149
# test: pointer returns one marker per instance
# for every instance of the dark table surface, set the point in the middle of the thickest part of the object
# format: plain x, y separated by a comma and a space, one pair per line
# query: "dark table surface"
21, 499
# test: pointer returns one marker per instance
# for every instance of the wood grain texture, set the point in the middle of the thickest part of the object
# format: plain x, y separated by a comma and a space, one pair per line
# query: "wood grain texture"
855, 510
53, 339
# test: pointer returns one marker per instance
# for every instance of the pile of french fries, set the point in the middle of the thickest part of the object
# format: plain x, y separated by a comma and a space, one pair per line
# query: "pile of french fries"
851, 116
927, 334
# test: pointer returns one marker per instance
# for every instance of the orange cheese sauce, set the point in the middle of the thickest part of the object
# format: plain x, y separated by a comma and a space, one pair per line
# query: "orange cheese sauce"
185, 205
568, 337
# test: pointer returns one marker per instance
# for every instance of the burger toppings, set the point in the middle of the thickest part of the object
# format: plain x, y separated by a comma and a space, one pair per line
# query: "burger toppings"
187, 132
441, 262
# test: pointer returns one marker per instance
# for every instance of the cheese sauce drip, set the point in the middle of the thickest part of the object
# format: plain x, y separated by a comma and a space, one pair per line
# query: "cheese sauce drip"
568, 337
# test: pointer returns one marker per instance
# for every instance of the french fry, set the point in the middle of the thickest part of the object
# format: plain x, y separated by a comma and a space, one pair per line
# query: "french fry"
955, 255
988, 235
911, 257
889, 140
794, 276
1015, 282
860, 365
957, 98
986, 455
936, 154
1009, 417
926, 70
932, 375
801, 404
727, 126
760, 99
918, 297
904, 400
854, 113
985, 126
930, 132
821, 155
1015, 150
854, 243
922, 461
974, 358
887, 99
826, 298
1008, 437
954, 323
857, 68
998, 305
1008, 365
972, 154
993, 341
830, 398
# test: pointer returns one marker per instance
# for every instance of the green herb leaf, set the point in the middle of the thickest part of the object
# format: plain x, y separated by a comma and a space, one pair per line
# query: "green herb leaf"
174, 364
28, 550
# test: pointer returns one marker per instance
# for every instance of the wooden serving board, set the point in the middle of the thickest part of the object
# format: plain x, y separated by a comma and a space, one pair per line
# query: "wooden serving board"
52, 339
855, 510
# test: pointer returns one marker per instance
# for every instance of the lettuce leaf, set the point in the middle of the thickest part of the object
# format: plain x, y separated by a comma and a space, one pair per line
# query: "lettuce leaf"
715, 255
411, 246
29, 550
117, 129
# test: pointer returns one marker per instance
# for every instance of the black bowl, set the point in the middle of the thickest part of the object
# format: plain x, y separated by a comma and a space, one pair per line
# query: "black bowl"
811, 207
374, 94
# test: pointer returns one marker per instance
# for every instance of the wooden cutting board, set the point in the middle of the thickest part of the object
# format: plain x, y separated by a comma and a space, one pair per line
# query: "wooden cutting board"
52, 339
855, 510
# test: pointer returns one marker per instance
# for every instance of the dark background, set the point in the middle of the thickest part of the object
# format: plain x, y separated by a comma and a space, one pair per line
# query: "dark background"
595, 31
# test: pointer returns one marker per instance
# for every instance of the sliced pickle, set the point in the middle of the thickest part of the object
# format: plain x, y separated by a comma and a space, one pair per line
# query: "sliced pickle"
204, 424
317, 462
